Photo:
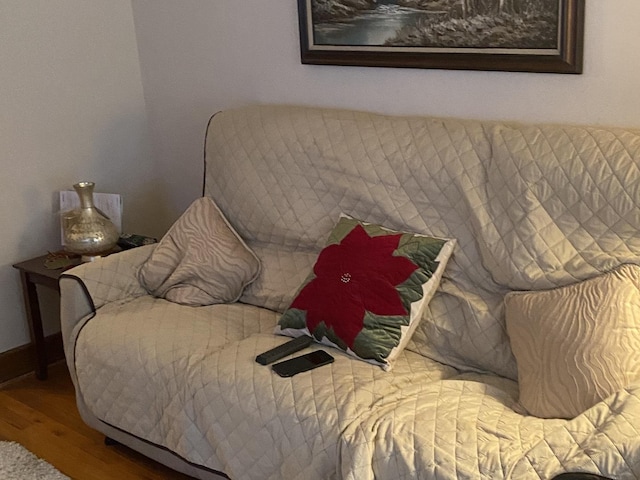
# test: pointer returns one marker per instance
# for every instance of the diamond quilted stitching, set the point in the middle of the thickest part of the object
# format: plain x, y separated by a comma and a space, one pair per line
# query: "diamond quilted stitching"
297, 171
570, 235
151, 352
190, 372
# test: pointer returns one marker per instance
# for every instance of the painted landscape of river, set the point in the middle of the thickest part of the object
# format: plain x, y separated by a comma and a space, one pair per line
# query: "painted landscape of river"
522, 24
368, 27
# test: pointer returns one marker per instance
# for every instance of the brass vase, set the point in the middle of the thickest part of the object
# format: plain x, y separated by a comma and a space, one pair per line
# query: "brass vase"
86, 230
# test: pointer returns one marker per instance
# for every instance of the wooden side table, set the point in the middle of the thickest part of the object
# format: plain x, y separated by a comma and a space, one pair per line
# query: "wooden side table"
33, 272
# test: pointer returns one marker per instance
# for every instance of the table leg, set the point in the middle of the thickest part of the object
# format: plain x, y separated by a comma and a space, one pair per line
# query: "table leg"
32, 307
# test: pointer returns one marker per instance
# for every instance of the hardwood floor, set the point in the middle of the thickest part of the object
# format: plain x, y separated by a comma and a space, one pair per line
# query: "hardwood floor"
42, 416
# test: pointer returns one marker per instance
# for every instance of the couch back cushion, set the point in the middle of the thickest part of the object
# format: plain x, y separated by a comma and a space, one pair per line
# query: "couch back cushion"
563, 204
282, 175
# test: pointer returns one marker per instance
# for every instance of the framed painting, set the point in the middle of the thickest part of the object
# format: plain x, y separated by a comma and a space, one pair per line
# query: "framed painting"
507, 35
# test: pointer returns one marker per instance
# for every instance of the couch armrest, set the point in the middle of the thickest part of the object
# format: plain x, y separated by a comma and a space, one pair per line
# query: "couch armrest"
89, 286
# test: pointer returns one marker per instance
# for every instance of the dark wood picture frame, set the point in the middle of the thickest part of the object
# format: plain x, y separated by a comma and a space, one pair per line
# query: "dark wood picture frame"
567, 57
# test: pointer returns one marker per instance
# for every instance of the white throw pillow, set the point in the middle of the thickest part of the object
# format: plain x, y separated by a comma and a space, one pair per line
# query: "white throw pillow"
201, 260
576, 345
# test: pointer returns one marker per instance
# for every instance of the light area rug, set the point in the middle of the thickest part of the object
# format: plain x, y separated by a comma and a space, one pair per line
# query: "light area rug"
18, 463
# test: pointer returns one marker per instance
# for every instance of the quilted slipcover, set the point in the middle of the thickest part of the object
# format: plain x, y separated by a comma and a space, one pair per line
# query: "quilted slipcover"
531, 207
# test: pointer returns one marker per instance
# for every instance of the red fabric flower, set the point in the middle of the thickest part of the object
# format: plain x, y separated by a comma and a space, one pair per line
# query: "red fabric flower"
359, 274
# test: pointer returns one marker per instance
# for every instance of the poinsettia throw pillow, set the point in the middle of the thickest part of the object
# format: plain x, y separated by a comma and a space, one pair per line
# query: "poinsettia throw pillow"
368, 290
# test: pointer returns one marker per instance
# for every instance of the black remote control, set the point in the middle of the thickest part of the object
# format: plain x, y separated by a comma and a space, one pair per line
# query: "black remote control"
283, 350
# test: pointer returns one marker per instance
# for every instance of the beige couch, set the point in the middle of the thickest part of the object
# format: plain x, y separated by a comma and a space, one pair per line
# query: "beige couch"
545, 220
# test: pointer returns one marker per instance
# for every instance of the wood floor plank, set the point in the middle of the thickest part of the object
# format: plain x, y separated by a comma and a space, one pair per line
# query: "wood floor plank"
42, 416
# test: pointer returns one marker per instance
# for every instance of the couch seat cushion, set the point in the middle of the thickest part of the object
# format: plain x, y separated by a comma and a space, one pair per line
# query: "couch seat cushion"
186, 379
470, 427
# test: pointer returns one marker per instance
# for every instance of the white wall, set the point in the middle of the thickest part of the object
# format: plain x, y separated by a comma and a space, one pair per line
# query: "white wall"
71, 109
200, 56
